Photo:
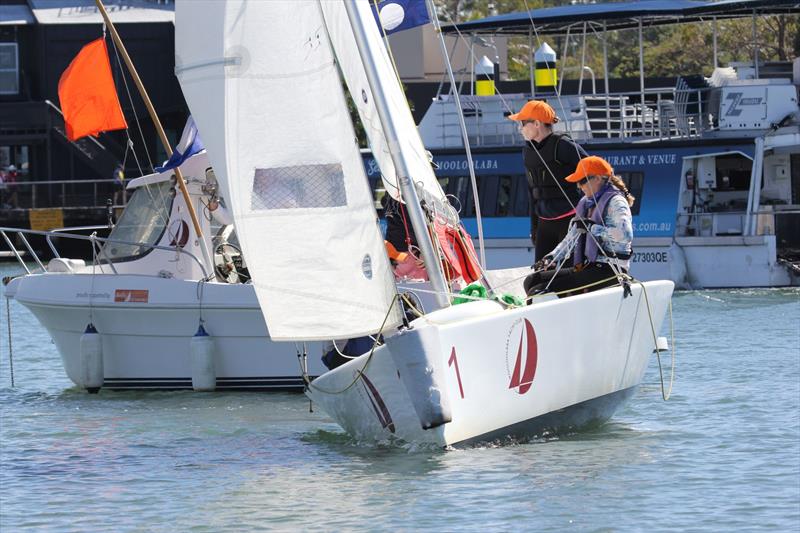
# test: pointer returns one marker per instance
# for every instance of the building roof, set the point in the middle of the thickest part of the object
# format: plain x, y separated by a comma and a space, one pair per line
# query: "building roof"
621, 15
86, 12
16, 15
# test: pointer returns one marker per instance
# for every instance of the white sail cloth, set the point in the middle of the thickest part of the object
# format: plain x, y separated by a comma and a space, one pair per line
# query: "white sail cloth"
410, 143
262, 84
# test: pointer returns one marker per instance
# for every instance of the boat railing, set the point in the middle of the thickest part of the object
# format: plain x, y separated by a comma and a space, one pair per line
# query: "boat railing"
65, 194
731, 223
98, 251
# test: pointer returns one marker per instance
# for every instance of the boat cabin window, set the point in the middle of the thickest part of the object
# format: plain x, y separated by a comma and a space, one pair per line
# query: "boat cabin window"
733, 173
143, 221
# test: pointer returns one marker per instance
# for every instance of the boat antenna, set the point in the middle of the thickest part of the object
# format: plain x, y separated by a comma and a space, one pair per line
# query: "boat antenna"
159, 129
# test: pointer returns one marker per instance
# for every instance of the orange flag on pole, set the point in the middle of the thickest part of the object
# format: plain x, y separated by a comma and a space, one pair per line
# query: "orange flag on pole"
88, 95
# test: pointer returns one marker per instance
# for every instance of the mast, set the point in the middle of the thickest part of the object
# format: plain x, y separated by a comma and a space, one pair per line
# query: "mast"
407, 188
159, 129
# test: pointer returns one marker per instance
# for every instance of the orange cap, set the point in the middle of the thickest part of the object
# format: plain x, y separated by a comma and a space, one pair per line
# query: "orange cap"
536, 110
590, 166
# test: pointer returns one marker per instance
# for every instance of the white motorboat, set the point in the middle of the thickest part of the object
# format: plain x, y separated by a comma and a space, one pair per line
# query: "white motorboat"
282, 145
147, 292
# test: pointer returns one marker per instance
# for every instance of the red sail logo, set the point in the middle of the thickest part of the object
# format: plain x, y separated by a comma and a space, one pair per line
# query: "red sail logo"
378, 405
179, 231
525, 364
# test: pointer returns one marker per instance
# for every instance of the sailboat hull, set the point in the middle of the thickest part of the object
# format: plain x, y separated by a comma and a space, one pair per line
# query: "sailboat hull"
550, 367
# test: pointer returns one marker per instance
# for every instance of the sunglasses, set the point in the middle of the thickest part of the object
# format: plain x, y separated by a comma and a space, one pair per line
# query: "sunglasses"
585, 180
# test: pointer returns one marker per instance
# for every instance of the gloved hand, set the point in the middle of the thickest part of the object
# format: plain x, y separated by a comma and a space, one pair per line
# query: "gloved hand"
543, 263
582, 224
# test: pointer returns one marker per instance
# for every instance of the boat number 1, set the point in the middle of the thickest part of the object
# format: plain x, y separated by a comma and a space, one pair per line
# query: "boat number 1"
454, 361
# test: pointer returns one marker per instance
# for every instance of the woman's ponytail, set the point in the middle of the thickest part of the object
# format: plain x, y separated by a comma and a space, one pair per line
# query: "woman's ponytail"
619, 184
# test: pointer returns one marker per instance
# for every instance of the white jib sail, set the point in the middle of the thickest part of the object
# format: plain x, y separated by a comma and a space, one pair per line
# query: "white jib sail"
263, 87
344, 45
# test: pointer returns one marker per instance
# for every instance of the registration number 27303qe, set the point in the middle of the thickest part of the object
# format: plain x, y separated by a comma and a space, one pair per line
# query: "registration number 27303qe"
649, 257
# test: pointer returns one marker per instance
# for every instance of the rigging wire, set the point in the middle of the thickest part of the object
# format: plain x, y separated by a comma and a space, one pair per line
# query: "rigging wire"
133, 107
10, 348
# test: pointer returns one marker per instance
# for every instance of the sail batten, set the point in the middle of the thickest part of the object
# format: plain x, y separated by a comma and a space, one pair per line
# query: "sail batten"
268, 100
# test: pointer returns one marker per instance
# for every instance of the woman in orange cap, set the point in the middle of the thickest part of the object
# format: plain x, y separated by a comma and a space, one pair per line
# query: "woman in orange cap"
600, 234
549, 158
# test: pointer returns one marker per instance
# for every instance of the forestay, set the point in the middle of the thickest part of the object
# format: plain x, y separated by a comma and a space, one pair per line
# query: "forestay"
344, 45
263, 86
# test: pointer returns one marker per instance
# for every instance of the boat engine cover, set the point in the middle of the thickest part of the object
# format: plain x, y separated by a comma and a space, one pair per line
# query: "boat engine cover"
417, 355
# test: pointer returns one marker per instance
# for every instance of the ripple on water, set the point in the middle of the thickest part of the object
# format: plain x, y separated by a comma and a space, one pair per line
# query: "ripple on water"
722, 454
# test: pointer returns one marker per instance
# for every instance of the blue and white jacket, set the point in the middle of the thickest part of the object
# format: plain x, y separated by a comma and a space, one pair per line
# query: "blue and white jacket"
614, 234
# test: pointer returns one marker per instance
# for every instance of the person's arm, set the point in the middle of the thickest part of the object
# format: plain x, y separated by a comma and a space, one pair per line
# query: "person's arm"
617, 233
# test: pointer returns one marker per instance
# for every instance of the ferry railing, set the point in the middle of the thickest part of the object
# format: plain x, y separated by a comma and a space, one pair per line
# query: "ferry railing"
98, 252
667, 113
65, 194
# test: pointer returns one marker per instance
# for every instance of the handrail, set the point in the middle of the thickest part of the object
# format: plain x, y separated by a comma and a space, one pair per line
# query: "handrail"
57, 234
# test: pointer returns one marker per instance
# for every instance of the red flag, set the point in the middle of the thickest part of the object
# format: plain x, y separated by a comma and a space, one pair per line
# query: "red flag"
88, 95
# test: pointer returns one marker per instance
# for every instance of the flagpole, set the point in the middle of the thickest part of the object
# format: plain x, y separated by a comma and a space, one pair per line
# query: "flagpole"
159, 129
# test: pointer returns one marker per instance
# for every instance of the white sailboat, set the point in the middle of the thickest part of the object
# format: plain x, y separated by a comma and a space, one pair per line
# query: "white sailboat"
264, 79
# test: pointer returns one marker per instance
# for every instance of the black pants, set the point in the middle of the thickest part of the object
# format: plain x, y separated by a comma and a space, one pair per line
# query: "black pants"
547, 234
570, 278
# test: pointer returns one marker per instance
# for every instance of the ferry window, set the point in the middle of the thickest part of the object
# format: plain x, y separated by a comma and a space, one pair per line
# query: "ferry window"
733, 172
488, 190
378, 191
521, 196
635, 184
143, 221
504, 196
9, 68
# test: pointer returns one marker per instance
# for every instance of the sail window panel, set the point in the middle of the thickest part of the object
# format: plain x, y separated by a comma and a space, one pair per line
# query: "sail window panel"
299, 187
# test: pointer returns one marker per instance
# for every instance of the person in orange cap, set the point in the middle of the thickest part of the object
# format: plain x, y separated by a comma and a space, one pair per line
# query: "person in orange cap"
599, 236
549, 157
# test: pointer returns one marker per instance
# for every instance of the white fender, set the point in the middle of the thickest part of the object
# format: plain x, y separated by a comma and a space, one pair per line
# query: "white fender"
201, 351
91, 360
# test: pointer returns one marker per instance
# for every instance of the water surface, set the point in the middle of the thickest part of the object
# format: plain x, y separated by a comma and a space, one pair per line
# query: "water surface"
722, 454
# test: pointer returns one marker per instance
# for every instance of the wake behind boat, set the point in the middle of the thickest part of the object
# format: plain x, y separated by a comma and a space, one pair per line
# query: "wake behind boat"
282, 143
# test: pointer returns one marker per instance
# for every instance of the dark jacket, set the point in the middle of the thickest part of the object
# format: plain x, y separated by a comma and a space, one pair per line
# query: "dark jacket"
561, 154
396, 224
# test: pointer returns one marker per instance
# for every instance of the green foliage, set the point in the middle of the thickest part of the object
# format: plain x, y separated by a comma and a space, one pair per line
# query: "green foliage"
668, 50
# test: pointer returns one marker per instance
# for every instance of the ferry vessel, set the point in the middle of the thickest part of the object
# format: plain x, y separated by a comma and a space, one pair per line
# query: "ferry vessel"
714, 162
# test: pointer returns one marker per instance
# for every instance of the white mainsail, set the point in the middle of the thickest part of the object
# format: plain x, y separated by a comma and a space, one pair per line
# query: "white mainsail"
263, 86
344, 45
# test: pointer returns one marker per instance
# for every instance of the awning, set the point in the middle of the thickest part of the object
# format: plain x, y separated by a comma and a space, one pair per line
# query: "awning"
16, 15
85, 11
621, 15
